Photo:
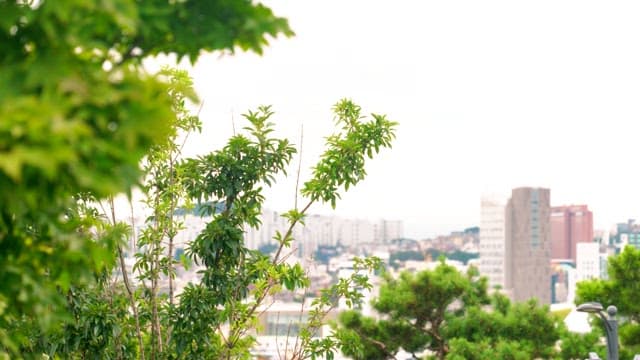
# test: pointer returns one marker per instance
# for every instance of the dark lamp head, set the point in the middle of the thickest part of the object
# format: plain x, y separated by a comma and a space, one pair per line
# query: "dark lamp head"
590, 307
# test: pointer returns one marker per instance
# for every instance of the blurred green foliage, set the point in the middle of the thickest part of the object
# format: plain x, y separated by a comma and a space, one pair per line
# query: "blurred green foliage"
78, 115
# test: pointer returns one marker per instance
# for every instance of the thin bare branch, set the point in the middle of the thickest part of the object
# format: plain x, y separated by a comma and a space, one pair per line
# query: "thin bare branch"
289, 231
186, 136
125, 279
379, 344
233, 123
299, 167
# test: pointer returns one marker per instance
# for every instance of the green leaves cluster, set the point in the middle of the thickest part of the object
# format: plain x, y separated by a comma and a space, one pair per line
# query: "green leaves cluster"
527, 329
342, 164
236, 280
443, 313
350, 289
216, 318
621, 289
78, 115
417, 306
234, 176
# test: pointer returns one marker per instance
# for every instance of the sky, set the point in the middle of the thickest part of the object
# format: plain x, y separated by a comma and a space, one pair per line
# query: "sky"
489, 95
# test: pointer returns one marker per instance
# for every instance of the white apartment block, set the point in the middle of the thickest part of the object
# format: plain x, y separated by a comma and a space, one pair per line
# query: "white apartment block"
492, 240
587, 261
386, 230
322, 230
318, 230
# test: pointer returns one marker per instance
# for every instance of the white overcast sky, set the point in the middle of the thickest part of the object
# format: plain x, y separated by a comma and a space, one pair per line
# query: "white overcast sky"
489, 95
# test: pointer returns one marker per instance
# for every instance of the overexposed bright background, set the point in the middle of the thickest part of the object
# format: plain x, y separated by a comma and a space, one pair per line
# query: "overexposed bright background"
489, 95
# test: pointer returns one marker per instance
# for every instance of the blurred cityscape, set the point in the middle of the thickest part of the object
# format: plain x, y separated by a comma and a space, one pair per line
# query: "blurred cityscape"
524, 245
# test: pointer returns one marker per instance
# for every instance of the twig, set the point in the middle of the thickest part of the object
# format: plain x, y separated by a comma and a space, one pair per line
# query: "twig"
125, 278
377, 343
134, 235
289, 231
297, 350
299, 166
233, 123
186, 136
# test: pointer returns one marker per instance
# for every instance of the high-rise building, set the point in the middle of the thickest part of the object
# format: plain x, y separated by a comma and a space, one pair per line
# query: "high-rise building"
492, 240
527, 245
570, 225
386, 230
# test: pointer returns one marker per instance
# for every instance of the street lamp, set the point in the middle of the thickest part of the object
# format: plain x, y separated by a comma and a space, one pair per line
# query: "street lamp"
610, 325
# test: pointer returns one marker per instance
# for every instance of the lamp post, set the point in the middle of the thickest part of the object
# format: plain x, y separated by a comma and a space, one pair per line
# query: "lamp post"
610, 325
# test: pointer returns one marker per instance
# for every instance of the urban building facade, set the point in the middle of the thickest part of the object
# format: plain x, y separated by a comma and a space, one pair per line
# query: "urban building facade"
588, 261
528, 245
627, 234
325, 231
492, 240
570, 225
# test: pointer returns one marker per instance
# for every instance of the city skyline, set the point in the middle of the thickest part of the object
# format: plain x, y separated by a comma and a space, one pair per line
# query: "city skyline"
488, 97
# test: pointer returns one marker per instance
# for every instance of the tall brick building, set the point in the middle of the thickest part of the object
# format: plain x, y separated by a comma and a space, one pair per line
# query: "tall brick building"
528, 245
570, 225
